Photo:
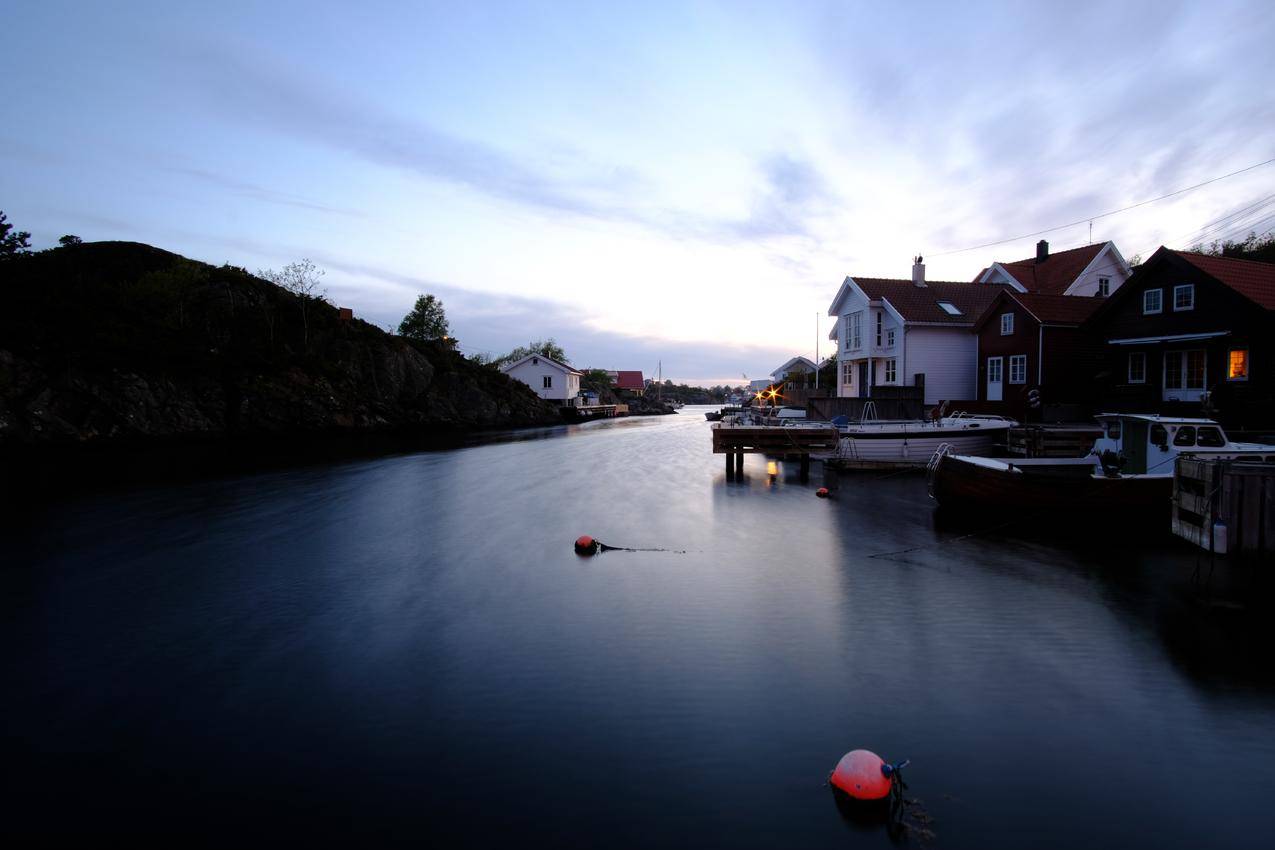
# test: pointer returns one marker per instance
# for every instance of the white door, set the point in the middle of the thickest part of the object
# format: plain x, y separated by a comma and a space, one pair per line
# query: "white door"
994, 377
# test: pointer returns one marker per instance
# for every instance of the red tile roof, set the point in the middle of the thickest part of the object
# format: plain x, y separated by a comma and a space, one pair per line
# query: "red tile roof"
1056, 273
1058, 309
629, 381
1253, 280
921, 303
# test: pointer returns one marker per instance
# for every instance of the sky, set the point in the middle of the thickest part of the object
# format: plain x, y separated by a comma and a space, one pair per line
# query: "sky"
684, 184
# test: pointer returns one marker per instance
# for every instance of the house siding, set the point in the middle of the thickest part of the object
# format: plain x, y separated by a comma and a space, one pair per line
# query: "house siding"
1025, 340
946, 357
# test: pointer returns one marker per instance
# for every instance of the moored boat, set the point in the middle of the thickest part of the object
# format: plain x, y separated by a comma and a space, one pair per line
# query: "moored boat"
1129, 470
911, 443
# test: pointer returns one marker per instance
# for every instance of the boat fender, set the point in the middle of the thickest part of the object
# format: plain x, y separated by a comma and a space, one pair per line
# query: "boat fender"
863, 775
822, 492
586, 546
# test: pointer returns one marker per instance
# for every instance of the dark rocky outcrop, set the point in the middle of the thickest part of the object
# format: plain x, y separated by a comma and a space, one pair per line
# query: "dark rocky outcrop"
114, 346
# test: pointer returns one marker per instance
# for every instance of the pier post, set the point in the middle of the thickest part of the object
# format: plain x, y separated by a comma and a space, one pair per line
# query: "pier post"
739, 463
805, 468
730, 466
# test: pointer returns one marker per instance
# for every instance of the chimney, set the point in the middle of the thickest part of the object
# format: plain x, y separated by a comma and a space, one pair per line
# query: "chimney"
918, 271
1042, 251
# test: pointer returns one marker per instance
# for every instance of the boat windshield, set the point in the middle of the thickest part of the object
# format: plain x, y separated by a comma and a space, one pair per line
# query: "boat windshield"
1210, 437
1185, 436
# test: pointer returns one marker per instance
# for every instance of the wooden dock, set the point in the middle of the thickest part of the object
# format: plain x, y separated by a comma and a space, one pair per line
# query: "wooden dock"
1225, 506
735, 441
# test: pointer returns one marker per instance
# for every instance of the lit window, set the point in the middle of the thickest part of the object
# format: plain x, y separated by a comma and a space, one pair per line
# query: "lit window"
1007, 324
548, 381
1237, 365
1104, 286
1184, 297
1152, 301
1137, 367
890, 372
1018, 369
949, 308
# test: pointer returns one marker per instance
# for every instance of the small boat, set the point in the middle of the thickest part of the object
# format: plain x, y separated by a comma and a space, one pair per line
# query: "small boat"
875, 443
1128, 471
713, 416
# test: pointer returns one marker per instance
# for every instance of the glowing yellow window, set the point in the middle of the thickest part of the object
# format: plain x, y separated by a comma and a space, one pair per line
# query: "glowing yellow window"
1237, 365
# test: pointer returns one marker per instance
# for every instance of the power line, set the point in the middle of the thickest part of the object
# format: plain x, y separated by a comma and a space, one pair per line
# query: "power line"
1224, 222
1089, 218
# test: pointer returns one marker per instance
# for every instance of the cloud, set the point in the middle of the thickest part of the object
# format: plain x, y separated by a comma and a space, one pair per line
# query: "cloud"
260, 193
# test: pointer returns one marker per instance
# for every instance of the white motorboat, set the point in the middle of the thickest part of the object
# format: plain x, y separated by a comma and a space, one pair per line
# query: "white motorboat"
873, 443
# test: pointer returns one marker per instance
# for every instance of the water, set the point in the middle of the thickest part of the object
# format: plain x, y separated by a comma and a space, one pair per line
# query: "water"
407, 649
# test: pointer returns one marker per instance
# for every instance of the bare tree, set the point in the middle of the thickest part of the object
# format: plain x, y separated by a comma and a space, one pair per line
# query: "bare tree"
302, 279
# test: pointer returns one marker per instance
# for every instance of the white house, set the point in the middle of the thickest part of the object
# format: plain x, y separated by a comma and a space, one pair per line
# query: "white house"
889, 331
1092, 270
552, 381
795, 366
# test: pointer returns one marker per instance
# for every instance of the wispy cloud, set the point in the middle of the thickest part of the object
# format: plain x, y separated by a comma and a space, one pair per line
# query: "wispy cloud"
255, 192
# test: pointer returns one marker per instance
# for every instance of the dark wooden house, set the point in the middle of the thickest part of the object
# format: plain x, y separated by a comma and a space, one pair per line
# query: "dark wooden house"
1191, 334
1030, 341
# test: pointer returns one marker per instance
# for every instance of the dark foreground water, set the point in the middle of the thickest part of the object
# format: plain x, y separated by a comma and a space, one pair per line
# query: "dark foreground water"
407, 649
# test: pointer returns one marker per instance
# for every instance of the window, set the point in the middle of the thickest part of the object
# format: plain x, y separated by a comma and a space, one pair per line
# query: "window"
548, 382
1018, 369
994, 370
879, 319
1137, 367
1237, 364
853, 329
1113, 429
1159, 435
1151, 301
949, 308
891, 373
847, 372
1209, 437
1184, 297
889, 338
1184, 370
1007, 324
1104, 286
1185, 436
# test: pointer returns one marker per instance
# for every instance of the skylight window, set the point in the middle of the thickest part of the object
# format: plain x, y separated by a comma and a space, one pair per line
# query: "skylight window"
949, 308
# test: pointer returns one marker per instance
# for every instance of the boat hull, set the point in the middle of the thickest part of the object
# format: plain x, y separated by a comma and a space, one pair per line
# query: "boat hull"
868, 451
964, 486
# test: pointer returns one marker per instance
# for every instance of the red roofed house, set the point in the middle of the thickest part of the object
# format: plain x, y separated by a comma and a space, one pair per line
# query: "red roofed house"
1189, 332
1091, 270
1030, 341
629, 382
891, 332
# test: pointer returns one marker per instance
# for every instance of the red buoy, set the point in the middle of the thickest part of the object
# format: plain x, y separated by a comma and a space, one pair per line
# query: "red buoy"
822, 492
586, 545
859, 774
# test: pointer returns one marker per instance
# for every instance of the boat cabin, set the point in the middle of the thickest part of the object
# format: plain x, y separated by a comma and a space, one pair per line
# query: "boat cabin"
1150, 443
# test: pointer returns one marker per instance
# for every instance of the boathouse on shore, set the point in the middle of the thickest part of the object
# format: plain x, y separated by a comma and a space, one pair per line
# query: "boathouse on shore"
551, 380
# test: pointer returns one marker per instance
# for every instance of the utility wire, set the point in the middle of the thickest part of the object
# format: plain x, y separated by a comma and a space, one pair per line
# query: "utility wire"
1090, 218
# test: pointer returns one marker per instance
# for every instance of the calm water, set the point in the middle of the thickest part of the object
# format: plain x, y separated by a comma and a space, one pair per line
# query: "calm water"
408, 649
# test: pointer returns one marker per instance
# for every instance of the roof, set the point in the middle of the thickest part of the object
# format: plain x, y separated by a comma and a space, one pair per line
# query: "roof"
1155, 417
921, 303
1048, 309
629, 381
1056, 273
564, 367
796, 361
1250, 278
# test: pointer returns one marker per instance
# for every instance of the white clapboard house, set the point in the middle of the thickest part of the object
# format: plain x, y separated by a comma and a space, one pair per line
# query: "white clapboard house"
552, 381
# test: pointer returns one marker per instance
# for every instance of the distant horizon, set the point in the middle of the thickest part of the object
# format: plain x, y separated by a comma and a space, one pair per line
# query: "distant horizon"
674, 182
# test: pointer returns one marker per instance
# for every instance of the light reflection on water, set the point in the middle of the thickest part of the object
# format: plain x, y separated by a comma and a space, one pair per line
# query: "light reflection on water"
408, 647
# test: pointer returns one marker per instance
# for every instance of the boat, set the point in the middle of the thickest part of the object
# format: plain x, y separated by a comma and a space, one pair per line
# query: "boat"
713, 415
882, 443
1128, 471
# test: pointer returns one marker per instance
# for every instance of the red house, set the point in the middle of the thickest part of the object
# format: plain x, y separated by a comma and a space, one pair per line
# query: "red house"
1030, 341
629, 382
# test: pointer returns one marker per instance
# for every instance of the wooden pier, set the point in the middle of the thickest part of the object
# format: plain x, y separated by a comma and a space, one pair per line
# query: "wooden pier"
735, 441
1051, 440
1225, 506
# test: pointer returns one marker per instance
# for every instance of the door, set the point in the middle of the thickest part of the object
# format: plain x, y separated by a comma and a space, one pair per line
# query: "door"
863, 380
995, 377
1133, 445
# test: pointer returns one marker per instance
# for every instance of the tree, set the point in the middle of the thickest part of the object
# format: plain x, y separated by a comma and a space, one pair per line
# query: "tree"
12, 243
69, 240
544, 347
302, 280
426, 321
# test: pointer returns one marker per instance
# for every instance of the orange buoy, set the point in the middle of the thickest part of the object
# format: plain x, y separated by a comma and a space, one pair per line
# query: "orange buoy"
822, 492
860, 774
586, 545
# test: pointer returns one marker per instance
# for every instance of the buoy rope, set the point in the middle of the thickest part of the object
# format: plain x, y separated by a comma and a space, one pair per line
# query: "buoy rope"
603, 547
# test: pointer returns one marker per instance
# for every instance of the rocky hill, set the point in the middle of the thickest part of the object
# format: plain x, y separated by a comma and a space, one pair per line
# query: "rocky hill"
116, 345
